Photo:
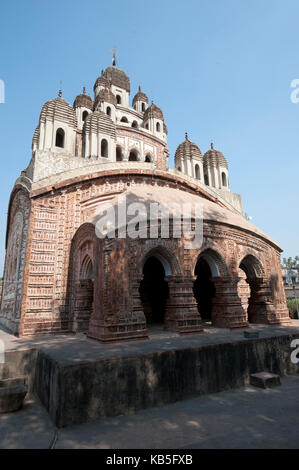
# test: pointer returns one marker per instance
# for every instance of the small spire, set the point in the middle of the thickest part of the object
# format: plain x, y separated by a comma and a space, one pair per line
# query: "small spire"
114, 55
212, 145
186, 136
60, 93
139, 88
84, 90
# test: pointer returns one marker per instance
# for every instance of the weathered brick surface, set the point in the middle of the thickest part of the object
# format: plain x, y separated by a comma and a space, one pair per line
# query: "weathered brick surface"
51, 238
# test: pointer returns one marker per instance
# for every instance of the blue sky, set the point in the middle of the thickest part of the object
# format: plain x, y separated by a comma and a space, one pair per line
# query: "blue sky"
219, 69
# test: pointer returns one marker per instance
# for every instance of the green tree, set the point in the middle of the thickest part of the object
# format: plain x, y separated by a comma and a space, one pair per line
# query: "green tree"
291, 263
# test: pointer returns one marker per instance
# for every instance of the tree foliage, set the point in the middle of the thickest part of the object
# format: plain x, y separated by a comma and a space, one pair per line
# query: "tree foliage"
291, 263
292, 306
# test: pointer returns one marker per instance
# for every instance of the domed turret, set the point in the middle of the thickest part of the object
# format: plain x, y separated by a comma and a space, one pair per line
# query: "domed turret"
56, 130
58, 108
99, 137
116, 80
105, 96
101, 82
140, 101
83, 105
215, 169
83, 100
106, 102
214, 157
154, 120
117, 77
188, 159
153, 111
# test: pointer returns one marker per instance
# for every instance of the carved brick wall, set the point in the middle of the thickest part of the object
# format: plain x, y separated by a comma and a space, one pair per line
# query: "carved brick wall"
15, 260
43, 268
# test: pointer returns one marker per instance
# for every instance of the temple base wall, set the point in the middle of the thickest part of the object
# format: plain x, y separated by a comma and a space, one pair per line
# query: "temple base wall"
78, 393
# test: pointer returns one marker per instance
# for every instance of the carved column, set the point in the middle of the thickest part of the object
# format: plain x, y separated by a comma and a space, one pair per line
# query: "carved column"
83, 305
128, 323
126, 154
138, 317
181, 308
262, 308
228, 308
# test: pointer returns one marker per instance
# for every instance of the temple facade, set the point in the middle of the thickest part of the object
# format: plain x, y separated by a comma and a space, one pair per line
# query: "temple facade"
61, 276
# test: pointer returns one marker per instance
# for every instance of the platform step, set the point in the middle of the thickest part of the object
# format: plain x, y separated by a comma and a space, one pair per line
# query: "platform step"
264, 380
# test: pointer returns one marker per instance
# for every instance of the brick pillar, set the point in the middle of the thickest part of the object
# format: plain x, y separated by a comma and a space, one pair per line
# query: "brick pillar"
138, 317
181, 308
262, 308
127, 324
228, 308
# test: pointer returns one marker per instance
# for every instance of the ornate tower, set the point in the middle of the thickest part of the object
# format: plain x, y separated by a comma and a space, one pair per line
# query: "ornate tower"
215, 169
188, 159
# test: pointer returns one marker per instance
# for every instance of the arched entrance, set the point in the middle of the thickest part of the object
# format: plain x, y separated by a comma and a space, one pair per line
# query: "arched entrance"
204, 289
82, 274
153, 291
209, 266
84, 295
251, 275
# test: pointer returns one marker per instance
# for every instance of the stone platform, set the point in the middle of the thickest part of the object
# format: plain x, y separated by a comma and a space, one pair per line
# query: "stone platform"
80, 380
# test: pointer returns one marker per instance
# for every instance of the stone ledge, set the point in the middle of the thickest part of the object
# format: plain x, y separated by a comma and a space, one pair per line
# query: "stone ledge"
86, 389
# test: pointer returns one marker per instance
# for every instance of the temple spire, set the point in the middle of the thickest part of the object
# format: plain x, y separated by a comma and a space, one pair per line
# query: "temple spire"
114, 55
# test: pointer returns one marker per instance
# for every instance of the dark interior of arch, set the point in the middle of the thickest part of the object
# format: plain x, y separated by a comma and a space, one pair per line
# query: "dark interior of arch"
59, 138
119, 155
84, 296
203, 289
250, 267
132, 156
153, 291
247, 265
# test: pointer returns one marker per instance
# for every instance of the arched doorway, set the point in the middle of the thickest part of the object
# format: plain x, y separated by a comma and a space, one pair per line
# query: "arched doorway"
209, 268
84, 295
82, 275
60, 134
104, 148
153, 291
119, 154
251, 273
133, 156
244, 290
204, 289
